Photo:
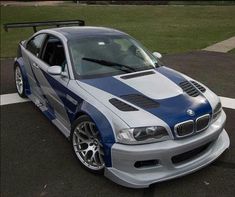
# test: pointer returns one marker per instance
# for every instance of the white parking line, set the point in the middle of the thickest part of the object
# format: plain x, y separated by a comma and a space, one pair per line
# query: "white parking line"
223, 46
228, 102
7, 99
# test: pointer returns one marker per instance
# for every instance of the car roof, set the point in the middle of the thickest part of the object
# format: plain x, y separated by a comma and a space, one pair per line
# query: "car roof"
84, 31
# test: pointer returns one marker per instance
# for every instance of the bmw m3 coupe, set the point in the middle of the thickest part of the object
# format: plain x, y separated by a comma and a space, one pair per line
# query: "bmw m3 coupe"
126, 114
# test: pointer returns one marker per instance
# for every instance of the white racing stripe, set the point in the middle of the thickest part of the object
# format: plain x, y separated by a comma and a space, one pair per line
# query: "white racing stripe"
7, 99
149, 85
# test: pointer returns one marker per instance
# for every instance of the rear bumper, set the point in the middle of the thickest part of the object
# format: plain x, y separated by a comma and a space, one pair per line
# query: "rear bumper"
124, 157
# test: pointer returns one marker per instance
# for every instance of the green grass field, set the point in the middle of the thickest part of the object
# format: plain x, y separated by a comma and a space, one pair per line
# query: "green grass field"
232, 51
167, 29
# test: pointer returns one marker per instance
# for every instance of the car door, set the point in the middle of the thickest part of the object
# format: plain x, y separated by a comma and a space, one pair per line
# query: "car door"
29, 53
53, 87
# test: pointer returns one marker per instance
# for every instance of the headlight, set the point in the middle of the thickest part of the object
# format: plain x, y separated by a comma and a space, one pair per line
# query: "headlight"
142, 135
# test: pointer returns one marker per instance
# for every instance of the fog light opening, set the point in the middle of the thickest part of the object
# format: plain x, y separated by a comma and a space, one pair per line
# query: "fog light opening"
146, 163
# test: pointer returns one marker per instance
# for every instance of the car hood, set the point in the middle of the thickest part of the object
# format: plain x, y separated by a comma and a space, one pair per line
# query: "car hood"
150, 83
160, 85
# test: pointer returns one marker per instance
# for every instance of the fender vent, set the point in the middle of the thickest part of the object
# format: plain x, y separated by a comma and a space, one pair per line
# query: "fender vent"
189, 88
137, 75
201, 88
140, 101
121, 105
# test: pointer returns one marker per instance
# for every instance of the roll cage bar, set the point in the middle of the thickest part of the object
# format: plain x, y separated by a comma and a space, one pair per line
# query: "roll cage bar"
34, 25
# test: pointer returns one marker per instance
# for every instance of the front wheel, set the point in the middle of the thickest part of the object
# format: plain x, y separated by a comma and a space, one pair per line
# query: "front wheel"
19, 82
87, 145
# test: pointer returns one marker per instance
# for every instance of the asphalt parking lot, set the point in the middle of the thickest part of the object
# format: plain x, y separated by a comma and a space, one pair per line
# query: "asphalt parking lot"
36, 159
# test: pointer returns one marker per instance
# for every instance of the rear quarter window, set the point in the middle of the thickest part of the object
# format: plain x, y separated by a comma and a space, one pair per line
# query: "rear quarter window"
35, 44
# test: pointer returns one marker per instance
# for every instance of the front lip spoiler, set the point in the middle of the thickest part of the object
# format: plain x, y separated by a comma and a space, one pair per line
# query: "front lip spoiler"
128, 180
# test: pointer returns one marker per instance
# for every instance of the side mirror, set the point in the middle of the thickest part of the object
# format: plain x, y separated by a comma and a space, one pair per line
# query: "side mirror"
157, 55
54, 70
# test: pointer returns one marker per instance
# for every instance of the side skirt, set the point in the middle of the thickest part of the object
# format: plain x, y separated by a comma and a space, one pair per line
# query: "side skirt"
50, 115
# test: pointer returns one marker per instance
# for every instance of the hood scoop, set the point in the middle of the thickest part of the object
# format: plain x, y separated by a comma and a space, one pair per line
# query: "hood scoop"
137, 75
140, 101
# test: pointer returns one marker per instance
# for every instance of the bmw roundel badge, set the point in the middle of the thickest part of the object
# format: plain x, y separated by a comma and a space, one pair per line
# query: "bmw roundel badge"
190, 112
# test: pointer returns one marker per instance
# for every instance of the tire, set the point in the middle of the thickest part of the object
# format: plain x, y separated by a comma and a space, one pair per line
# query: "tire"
87, 146
19, 81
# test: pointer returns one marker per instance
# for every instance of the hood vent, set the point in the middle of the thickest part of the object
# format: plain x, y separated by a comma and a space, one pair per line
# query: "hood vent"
121, 105
137, 75
140, 101
189, 88
201, 88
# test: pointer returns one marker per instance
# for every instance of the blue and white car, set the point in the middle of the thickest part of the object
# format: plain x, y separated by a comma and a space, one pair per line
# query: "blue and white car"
127, 116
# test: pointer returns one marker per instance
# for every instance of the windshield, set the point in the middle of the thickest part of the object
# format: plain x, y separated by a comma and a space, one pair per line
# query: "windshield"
109, 55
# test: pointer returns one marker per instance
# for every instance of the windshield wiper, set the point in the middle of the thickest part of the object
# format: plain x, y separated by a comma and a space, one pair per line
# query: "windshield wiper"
122, 67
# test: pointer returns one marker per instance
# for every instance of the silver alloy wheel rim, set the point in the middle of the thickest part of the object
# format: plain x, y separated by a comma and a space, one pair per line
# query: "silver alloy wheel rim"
87, 145
19, 80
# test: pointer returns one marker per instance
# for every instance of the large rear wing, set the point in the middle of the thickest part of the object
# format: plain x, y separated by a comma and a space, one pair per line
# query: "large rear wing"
34, 25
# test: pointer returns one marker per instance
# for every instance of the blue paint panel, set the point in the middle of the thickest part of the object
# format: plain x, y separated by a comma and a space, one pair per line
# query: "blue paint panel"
172, 110
102, 123
48, 113
100, 120
181, 103
118, 88
61, 91
20, 61
105, 129
111, 85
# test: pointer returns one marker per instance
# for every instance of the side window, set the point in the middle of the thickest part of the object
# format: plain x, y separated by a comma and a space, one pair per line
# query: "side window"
53, 52
35, 44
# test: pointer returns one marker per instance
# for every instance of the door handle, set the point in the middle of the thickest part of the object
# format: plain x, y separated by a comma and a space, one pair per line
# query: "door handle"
35, 65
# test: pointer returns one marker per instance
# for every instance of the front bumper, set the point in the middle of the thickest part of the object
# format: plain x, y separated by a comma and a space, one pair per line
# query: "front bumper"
124, 157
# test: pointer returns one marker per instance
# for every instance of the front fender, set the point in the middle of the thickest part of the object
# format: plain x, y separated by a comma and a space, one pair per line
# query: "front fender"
104, 127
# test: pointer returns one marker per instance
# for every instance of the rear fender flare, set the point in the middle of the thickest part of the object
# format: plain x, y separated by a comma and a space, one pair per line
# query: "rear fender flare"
20, 62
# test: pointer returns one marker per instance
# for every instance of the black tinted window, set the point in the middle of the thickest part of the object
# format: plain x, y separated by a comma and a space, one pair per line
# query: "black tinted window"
53, 53
35, 44
109, 54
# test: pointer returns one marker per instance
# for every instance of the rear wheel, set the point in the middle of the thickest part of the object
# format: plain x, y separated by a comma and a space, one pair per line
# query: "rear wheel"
87, 144
19, 82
